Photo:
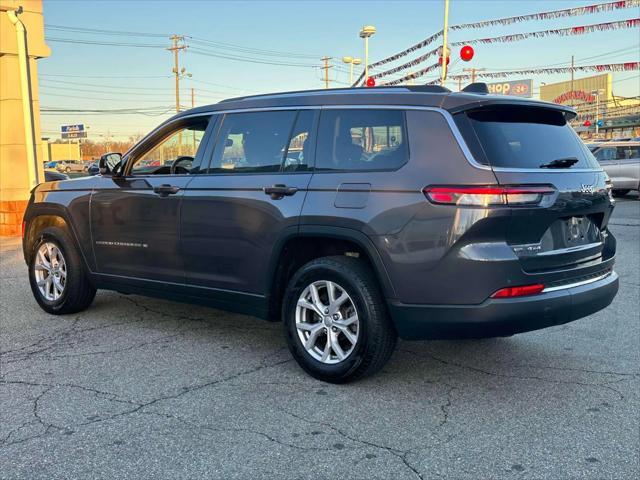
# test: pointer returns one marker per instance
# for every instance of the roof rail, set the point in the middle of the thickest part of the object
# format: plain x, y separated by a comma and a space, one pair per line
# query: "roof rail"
411, 88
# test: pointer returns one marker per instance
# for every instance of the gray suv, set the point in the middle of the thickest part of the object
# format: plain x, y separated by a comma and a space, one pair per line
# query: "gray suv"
354, 216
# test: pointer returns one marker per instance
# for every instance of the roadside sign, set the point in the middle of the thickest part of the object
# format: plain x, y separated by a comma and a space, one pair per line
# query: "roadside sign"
515, 88
73, 131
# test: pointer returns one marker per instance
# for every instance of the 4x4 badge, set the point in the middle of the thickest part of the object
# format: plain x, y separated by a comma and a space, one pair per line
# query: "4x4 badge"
587, 188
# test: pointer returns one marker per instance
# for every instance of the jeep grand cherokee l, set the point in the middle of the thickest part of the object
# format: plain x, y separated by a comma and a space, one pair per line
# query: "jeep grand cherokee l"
354, 216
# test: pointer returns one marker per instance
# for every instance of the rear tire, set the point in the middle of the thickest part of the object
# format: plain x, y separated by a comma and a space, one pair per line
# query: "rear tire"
620, 192
374, 334
69, 291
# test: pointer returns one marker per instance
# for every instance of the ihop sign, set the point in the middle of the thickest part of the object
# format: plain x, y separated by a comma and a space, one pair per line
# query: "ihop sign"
514, 88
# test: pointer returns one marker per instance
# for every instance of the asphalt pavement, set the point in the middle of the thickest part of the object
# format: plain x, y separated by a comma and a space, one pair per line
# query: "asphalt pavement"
144, 388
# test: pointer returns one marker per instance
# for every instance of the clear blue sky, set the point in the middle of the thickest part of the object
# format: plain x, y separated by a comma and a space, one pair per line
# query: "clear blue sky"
103, 77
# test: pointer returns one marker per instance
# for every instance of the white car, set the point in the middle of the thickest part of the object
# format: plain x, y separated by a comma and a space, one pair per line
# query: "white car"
621, 161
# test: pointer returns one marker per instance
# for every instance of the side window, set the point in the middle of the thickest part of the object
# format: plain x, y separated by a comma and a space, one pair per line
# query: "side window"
182, 143
299, 150
254, 142
361, 140
605, 154
625, 153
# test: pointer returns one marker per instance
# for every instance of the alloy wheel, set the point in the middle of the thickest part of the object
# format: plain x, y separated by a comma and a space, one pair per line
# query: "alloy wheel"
50, 271
327, 322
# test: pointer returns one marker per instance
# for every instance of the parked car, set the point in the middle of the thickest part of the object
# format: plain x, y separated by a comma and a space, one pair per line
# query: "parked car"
621, 161
410, 211
68, 166
93, 168
52, 165
54, 175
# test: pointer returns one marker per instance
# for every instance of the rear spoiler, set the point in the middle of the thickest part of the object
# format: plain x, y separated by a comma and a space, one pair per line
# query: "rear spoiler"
494, 100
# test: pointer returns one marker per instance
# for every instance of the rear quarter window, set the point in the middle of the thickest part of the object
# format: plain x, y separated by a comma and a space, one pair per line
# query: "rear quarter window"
627, 153
362, 140
522, 137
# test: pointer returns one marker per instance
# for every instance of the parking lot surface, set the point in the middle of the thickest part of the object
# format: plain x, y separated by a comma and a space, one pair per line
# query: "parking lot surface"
144, 388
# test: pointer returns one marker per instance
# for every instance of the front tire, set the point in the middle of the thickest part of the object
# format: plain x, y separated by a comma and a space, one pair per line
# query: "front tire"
336, 323
57, 275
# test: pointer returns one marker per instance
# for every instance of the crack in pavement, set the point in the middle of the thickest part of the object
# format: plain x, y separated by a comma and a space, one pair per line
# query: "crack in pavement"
431, 356
137, 406
400, 454
236, 430
62, 338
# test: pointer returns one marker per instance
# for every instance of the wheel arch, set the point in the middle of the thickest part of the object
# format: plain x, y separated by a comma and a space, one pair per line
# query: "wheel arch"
43, 215
299, 246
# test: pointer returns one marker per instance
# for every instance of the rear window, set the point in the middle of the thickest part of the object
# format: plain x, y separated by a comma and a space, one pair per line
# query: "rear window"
523, 137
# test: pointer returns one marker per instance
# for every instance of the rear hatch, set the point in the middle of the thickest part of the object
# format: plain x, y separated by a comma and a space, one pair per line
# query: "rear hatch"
533, 145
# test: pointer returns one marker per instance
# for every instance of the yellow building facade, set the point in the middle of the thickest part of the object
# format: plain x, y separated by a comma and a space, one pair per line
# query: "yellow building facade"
17, 174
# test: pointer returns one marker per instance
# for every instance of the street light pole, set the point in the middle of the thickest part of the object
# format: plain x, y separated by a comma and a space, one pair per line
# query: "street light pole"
351, 62
366, 32
597, 94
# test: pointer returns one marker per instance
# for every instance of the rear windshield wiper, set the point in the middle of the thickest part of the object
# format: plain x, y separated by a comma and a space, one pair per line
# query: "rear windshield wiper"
560, 163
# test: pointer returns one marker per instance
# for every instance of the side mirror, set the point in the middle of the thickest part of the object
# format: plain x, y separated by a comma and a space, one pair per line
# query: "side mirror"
110, 163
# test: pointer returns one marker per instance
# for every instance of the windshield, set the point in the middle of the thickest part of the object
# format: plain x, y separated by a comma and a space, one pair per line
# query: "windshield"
514, 136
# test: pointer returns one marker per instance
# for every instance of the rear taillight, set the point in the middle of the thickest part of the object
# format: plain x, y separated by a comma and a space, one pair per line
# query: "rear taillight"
522, 291
487, 196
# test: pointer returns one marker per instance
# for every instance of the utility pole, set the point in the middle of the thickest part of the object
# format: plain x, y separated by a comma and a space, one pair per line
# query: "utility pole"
175, 48
326, 68
473, 72
445, 48
193, 98
571, 94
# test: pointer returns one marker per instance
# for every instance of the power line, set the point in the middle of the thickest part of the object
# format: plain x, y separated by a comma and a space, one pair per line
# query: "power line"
101, 76
46, 86
108, 44
102, 85
101, 31
192, 39
240, 48
47, 94
237, 58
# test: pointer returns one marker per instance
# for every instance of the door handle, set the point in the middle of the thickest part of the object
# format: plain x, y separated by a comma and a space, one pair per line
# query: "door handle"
165, 190
276, 192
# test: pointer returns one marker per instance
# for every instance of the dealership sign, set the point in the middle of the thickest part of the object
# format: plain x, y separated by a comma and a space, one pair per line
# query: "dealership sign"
515, 88
73, 131
581, 95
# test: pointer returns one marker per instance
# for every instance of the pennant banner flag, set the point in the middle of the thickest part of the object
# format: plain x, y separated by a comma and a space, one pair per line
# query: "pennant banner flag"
568, 12
581, 30
411, 76
417, 46
412, 63
607, 67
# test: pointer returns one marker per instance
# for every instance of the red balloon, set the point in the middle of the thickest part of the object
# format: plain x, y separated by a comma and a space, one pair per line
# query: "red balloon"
587, 123
440, 60
371, 82
466, 53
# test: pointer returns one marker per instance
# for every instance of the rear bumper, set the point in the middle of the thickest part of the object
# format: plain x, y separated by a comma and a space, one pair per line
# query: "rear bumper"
498, 317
